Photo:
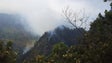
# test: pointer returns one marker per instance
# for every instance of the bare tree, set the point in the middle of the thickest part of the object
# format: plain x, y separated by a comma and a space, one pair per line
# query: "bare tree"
76, 19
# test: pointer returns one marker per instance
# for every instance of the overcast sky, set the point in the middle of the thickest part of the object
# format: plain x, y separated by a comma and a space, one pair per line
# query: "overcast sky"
44, 15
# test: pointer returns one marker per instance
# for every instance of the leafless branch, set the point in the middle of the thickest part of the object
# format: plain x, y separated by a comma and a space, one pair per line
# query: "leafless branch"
77, 20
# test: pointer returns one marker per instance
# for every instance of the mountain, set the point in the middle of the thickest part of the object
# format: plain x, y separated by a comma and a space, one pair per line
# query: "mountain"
13, 28
48, 39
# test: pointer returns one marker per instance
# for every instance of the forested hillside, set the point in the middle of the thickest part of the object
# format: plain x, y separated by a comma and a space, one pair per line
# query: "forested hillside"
64, 44
96, 46
61, 34
12, 28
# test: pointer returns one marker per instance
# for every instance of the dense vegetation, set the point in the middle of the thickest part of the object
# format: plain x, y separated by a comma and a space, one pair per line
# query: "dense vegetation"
95, 47
7, 54
45, 44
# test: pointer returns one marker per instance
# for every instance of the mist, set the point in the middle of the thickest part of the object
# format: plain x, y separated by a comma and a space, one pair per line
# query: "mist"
45, 15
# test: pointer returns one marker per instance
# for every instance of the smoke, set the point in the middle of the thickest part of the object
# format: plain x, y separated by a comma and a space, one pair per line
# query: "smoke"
45, 15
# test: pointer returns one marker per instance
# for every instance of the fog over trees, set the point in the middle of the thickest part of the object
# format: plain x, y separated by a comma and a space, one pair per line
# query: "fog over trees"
80, 39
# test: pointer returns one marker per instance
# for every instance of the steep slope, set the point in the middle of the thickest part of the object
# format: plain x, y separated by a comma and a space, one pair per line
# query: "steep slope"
12, 28
61, 34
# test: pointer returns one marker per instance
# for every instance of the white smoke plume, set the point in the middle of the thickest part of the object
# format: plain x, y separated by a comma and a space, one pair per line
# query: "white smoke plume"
44, 15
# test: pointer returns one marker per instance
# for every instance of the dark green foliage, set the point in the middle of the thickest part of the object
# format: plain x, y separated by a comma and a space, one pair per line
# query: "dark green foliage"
7, 55
63, 54
99, 42
59, 48
57, 52
45, 44
95, 48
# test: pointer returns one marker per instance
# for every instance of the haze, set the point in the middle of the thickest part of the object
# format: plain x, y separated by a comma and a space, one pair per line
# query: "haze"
45, 15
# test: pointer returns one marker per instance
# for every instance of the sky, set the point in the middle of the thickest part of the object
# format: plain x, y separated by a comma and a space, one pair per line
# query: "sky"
45, 15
